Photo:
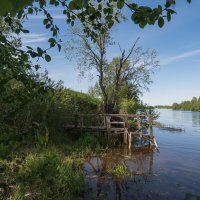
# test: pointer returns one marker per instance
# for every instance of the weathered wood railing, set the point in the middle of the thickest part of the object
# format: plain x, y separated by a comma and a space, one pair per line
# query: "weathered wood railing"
114, 124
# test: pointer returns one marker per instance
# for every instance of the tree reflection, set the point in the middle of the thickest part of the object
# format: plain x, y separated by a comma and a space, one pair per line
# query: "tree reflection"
104, 185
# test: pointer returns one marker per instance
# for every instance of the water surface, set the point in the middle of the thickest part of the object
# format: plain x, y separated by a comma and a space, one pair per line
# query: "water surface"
171, 173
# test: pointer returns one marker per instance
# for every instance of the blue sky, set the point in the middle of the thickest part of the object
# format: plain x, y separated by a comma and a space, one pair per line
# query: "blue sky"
177, 46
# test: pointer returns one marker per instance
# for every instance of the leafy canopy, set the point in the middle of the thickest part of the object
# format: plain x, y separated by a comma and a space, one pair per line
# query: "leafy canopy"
94, 15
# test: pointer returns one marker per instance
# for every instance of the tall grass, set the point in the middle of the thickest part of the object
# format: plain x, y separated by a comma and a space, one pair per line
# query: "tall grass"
48, 174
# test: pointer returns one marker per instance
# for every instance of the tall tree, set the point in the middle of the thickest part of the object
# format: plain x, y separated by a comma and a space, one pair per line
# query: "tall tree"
91, 55
131, 68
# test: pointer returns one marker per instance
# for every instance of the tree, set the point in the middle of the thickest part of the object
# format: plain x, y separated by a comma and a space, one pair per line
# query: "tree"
131, 70
21, 86
193, 105
91, 55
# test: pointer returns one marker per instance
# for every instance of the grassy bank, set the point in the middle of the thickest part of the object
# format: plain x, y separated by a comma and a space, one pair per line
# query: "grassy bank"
33, 169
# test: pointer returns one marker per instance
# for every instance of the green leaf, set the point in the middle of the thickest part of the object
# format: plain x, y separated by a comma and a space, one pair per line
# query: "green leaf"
120, 4
48, 26
33, 54
79, 3
52, 40
40, 51
143, 23
110, 24
25, 31
161, 22
28, 47
25, 57
59, 47
30, 10
72, 5
168, 16
45, 21
159, 9
47, 58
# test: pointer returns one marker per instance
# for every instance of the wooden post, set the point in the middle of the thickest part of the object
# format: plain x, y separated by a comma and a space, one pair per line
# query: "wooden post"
138, 123
150, 129
104, 122
125, 135
129, 140
108, 126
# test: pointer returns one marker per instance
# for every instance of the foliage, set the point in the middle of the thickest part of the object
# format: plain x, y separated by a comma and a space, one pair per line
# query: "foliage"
66, 104
126, 75
128, 106
45, 174
87, 11
145, 109
193, 105
148, 111
54, 174
120, 171
30, 102
95, 17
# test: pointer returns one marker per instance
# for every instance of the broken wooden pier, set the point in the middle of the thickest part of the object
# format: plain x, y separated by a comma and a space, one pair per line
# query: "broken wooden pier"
136, 130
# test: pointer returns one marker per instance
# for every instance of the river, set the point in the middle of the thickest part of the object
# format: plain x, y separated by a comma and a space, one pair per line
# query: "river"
171, 173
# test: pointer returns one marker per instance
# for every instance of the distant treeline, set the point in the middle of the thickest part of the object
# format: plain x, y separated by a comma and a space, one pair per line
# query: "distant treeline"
163, 106
193, 105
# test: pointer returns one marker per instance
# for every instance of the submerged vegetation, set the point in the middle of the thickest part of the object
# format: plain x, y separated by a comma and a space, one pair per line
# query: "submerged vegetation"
120, 171
169, 128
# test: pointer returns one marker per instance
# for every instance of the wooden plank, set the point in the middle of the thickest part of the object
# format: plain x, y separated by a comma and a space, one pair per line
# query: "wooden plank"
117, 122
94, 127
115, 115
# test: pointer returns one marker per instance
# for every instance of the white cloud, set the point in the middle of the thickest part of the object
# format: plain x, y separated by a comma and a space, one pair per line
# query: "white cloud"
179, 57
33, 38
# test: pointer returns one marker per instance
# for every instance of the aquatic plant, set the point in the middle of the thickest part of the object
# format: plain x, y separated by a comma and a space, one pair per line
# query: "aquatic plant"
120, 171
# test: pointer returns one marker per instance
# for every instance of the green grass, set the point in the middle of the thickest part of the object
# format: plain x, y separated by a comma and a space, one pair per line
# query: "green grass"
33, 170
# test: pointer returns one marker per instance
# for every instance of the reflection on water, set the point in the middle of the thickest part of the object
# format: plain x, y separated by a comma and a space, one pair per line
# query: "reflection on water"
196, 119
101, 184
184, 119
171, 173
138, 163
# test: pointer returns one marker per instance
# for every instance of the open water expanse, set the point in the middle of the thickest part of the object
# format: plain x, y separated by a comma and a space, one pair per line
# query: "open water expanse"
171, 173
